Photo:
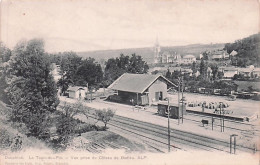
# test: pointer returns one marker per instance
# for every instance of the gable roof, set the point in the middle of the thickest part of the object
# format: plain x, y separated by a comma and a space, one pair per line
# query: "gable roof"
189, 56
137, 83
75, 88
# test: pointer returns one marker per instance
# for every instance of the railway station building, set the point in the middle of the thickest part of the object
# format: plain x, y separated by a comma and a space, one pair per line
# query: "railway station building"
140, 89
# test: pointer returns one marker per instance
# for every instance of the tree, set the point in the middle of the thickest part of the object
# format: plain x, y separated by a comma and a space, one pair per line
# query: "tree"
203, 69
214, 69
205, 56
89, 73
66, 123
168, 74
194, 68
69, 66
220, 75
115, 67
32, 90
247, 51
5, 55
104, 115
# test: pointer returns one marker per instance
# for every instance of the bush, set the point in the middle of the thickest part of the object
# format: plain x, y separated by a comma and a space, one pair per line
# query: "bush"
104, 115
5, 140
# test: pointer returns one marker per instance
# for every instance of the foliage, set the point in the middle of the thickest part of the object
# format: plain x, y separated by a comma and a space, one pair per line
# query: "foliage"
247, 51
194, 68
5, 55
205, 55
32, 90
89, 73
78, 72
155, 72
68, 65
168, 74
104, 115
214, 69
115, 67
66, 123
203, 69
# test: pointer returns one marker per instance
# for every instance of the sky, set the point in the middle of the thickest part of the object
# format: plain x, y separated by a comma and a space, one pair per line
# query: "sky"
87, 25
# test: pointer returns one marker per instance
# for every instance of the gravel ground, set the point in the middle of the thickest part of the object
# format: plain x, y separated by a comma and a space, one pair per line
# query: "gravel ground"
240, 107
150, 115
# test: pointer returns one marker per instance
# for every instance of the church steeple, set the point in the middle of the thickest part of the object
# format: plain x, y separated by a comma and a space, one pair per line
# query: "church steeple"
157, 51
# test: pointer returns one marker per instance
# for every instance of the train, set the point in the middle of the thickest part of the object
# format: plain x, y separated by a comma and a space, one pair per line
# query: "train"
175, 112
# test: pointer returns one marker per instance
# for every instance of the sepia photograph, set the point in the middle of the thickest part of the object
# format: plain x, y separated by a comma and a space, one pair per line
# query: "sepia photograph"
156, 82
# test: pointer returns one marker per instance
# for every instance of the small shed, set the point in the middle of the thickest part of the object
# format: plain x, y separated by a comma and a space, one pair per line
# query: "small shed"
77, 92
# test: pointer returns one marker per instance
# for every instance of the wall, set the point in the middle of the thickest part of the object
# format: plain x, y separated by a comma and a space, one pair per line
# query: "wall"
75, 94
82, 92
72, 94
157, 86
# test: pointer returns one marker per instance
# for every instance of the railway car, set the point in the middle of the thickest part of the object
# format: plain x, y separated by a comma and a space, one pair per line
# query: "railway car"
174, 112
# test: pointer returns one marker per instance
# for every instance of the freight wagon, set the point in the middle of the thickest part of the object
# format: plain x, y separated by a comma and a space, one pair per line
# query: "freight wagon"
173, 108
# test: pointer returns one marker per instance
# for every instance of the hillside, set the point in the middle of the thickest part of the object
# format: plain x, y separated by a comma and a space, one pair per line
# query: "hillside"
147, 53
247, 51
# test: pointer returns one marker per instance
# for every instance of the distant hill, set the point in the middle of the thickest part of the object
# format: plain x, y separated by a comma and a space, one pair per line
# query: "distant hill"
247, 51
148, 54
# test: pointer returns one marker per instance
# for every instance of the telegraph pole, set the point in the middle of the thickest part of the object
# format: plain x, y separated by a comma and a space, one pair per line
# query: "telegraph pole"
179, 101
169, 136
220, 117
182, 99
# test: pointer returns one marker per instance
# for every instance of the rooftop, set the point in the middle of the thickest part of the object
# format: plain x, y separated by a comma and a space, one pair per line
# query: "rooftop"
137, 83
75, 88
189, 56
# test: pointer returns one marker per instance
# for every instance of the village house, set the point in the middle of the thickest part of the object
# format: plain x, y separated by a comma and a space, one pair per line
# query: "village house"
182, 70
229, 72
219, 55
246, 72
141, 89
188, 59
77, 92
256, 72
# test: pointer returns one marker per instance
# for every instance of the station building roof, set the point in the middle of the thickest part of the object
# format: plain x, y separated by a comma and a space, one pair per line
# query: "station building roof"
136, 83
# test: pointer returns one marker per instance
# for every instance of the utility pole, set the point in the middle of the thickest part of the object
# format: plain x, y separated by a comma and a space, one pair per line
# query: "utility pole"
182, 99
233, 137
220, 109
169, 136
179, 101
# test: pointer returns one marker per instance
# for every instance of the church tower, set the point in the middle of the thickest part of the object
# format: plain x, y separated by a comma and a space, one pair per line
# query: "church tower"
157, 50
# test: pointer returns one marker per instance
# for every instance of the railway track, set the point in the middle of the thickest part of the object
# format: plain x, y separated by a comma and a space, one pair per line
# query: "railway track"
179, 139
156, 136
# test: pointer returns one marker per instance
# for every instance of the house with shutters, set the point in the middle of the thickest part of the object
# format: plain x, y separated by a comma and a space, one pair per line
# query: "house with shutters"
141, 89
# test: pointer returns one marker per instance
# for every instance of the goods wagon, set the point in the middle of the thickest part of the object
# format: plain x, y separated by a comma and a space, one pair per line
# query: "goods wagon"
173, 108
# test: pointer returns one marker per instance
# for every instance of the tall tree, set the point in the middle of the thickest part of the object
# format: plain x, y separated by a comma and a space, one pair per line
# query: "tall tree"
214, 69
5, 55
89, 72
203, 69
115, 67
70, 63
32, 90
168, 74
